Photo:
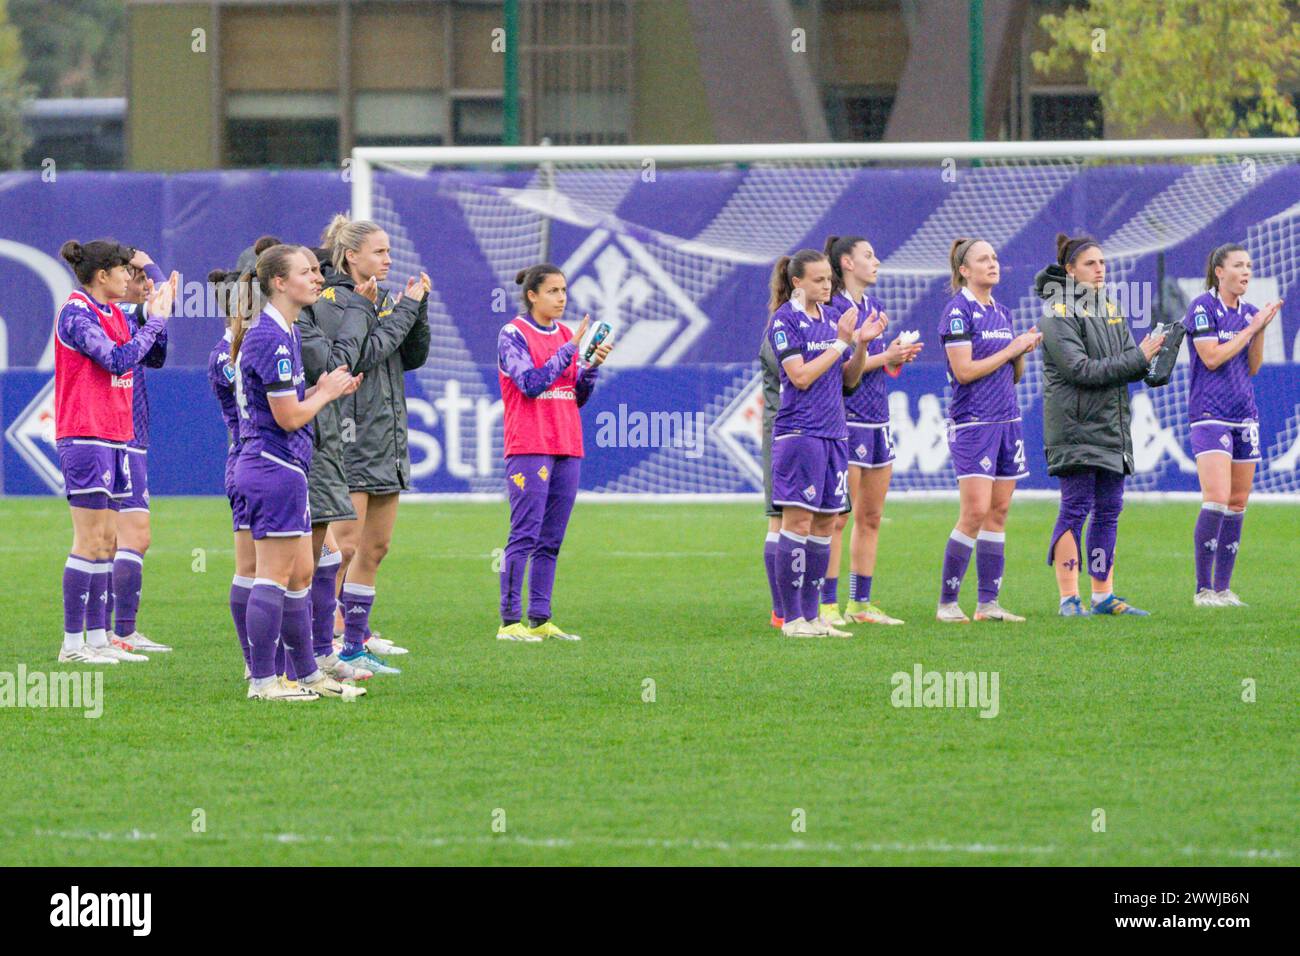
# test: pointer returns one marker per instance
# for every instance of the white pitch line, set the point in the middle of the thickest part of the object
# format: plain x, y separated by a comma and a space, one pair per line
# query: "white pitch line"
651, 843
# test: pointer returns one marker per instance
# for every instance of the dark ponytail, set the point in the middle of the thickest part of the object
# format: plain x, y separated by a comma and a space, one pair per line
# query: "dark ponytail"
226, 282
1217, 258
88, 259
532, 279
837, 247
1068, 248
788, 268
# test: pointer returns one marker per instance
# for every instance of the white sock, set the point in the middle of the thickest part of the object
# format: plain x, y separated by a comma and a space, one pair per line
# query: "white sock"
71, 641
97, 637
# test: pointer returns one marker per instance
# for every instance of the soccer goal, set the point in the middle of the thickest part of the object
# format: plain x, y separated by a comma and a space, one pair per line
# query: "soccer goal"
672, 245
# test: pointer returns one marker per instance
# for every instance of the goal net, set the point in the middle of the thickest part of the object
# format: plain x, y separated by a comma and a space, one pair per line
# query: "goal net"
673, 246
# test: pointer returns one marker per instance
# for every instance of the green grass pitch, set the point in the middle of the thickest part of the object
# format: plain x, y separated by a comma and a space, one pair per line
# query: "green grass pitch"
755, 750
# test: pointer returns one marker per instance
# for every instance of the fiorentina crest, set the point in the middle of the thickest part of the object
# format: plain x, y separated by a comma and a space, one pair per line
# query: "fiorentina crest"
617, 280
32, 436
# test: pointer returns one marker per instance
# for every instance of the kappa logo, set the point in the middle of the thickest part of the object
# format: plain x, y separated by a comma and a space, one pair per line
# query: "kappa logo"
1154, 441
618, 280
282, 350
518, 479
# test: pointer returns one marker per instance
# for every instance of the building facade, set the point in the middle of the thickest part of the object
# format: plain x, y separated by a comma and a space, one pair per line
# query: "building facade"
257, 83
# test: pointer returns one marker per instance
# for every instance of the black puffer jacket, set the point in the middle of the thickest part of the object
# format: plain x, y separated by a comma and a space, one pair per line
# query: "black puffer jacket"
1089, 359
383, 342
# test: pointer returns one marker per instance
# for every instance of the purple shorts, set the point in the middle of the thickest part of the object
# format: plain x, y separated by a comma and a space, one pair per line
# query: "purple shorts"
994, 450
870, 446
1240, 441
138, 499
810, 473
273, 493
96, 474
238, 510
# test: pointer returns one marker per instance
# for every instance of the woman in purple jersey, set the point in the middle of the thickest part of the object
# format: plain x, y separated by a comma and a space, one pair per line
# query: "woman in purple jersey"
275, 413
985, 359
854, 268
1227, 349
134, 534
809, 434
221, 379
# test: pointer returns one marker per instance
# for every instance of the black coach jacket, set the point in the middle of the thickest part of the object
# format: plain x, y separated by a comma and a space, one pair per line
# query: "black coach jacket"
1089, 359
383, 342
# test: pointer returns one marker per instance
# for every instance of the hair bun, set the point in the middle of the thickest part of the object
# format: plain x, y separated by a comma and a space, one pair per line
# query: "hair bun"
73, 252
520, 276
264, 243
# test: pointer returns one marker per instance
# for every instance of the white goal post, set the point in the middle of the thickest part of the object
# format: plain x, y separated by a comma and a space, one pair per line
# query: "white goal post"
780, 192
366, 158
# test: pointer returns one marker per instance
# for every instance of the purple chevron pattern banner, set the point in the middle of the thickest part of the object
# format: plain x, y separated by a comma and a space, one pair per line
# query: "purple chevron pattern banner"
678, 263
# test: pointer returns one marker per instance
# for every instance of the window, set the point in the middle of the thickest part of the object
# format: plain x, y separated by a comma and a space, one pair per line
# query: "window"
1065, 116
282, 129
857, 114
414, 118
477, 122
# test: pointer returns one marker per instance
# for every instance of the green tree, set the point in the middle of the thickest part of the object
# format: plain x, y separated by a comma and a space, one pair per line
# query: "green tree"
73, 47
1221, 65
13, 93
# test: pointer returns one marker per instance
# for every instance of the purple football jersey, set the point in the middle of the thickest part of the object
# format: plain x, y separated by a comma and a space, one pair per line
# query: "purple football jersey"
869, 402
270, 361
1224, 394
221, 379
154, 358
987, 329
819, 410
